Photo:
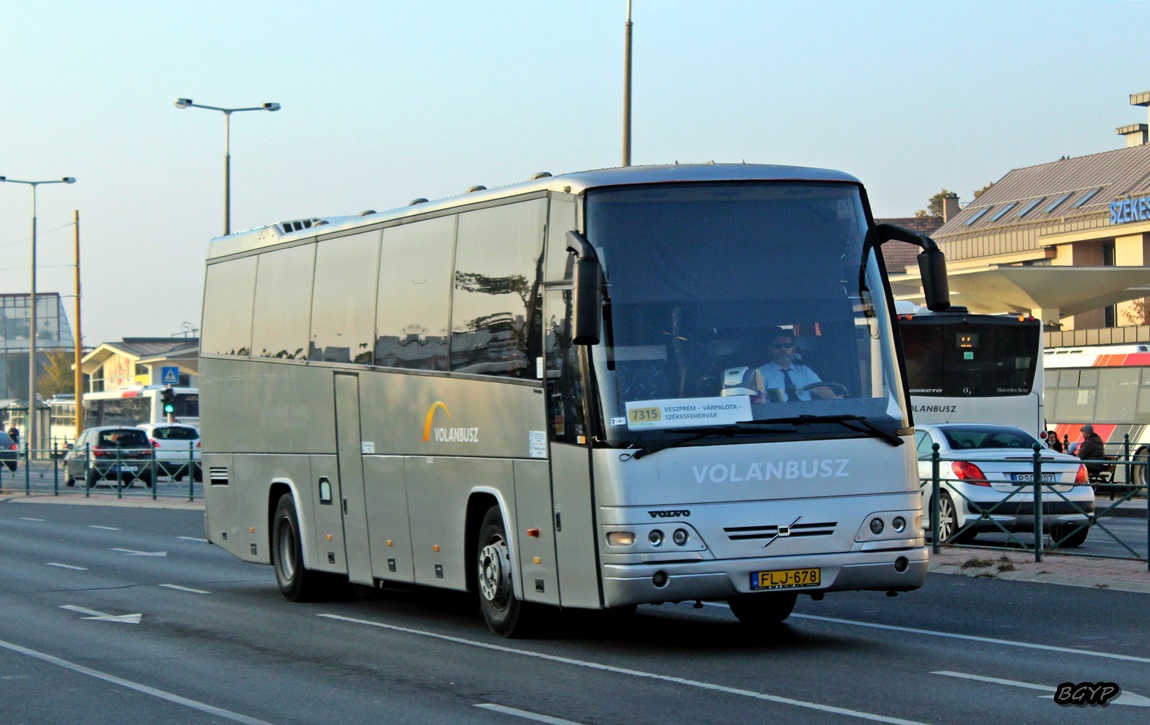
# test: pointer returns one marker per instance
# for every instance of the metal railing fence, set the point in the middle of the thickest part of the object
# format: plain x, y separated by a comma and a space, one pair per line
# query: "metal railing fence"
54, 470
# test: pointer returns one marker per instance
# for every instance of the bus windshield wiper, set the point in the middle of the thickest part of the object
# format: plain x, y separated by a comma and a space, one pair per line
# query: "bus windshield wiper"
846, 421
647, 450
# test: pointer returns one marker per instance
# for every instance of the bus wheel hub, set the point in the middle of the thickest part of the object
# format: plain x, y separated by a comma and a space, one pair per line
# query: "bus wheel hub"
494, 571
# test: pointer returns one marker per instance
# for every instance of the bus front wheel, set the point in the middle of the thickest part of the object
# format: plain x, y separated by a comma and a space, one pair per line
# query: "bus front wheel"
298, 583
506, 615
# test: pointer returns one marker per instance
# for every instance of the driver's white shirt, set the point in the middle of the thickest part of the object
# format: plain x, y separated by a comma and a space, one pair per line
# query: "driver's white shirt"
772, 376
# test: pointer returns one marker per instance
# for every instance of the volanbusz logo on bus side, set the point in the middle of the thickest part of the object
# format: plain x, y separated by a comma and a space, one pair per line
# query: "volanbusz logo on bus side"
444, 434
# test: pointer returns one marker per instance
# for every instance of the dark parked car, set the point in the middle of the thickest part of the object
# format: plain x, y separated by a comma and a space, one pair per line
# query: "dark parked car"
8, 448
111, 452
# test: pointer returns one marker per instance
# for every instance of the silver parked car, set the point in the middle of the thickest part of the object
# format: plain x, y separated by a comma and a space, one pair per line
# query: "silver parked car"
109, 453
986, 477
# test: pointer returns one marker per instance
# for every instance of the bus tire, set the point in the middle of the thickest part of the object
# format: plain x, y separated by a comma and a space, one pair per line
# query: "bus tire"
506, 615
1138, 473
763, 610
296, 582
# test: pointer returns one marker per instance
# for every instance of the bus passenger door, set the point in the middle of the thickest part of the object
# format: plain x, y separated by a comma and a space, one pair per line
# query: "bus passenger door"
349, 453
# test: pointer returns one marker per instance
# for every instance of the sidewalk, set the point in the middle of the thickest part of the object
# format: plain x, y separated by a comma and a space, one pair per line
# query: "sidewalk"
1125, 575
103, 499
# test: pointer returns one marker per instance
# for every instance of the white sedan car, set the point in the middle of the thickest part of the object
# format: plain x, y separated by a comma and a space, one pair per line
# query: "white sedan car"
986, 483
177, 448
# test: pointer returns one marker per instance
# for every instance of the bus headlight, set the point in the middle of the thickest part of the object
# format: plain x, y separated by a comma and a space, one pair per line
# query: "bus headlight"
876, 526
898, 524
620, 538
680, 537
655, 537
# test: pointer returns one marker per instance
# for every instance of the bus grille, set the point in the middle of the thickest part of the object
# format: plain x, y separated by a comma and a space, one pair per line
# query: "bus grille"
774, 531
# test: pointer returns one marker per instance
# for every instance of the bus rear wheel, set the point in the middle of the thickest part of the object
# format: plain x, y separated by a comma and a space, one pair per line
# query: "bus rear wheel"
505, 614
759, 610
296, 582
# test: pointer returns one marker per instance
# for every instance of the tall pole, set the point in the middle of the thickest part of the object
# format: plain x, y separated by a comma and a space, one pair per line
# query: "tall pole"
30, 433
227, 173
189, 103
627, 92
78, 377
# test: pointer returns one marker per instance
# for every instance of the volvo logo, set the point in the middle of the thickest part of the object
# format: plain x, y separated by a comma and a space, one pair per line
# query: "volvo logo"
782, 532
670, 514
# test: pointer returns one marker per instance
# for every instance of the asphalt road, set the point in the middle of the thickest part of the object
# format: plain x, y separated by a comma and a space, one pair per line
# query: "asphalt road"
116, 614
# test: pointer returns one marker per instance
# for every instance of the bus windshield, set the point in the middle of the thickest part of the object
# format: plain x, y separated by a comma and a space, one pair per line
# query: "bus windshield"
715, 289
970, 356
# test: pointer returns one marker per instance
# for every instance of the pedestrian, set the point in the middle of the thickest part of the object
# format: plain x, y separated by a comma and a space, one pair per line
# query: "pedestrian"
1052, 440
14, 434
1091, 449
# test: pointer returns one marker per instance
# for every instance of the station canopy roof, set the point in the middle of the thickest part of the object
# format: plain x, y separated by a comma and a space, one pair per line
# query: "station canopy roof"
1049, 293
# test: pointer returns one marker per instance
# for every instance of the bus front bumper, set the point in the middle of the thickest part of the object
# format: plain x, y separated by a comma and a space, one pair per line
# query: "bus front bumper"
653, 583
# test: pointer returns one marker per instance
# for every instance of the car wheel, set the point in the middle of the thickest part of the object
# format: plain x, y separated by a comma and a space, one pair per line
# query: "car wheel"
948, 521
505, 614
763, 610
197, 473
1070, 536
90, 478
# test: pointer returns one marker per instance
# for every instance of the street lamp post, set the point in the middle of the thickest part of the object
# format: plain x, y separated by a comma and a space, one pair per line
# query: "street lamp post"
30, 433
187, 103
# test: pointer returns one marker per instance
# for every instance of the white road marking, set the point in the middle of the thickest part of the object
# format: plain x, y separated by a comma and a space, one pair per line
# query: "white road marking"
193, 538
104, 528
67, 566
26, 518
967, 637
989, 640
104, 617
625, 671
525, 714
133, 552
1125, 698
193, 704
184, 589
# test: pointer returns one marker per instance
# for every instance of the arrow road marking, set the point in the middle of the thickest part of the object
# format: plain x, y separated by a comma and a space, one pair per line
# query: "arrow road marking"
1126, 698
103, 617
133, 552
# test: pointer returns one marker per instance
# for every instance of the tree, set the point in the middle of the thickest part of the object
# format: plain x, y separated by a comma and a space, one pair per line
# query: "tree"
1138, 313
57, 376
934, 208
983, 190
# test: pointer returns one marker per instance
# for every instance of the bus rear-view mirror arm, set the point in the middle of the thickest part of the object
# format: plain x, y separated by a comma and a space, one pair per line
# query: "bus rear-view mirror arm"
587, 291
931, 264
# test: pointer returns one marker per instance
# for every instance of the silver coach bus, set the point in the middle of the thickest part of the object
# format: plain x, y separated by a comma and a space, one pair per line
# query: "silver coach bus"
545, 394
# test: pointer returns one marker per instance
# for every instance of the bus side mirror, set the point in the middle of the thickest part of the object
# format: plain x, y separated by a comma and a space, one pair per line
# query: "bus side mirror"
935, 287
931, 264
587, 291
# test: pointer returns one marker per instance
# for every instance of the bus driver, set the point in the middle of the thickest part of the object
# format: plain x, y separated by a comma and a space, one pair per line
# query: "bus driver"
782, 378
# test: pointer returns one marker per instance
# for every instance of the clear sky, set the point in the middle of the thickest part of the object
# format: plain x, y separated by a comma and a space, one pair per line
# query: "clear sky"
385, 101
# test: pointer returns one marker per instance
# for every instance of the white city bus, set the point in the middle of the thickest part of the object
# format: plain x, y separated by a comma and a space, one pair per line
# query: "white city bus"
141, 404
964, 367
1107, 386
532, 393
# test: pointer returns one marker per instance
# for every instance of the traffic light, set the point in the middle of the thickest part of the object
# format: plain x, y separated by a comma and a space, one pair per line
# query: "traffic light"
168, 398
